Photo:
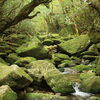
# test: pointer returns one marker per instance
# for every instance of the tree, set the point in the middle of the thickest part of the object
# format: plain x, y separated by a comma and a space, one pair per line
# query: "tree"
22, 15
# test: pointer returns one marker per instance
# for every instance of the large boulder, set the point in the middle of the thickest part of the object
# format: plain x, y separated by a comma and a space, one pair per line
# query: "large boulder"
24, 61
14, 76
58, 81
6, 93
33, 48
91, 84
75, 45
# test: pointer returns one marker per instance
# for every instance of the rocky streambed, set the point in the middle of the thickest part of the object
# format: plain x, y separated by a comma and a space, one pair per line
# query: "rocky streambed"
51, 64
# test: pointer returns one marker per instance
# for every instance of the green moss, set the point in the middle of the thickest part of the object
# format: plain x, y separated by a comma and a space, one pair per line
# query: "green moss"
23, 61
91, 84
82, 67
75, 45
7, 94
42, 96
14, 76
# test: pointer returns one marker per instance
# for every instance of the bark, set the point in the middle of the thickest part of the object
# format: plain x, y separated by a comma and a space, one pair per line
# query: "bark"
22, 15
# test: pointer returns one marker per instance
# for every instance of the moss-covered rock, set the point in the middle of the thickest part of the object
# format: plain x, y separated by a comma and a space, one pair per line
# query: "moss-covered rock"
91, 84
58, 57
67, 63
86, 75
33, 48
82, 67
23, 61
2, 61
48, 42
43, 96
11, 58
54, 78
75, 45
6, 93
14, 76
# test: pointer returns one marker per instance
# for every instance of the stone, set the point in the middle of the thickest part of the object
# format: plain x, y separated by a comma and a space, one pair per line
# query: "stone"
33, 48
14, 76
11, 58
86, 75
75, 45
58, 57
58, 82
24, 61
81, 68
6, 93
48, 42
91, 84
67, 63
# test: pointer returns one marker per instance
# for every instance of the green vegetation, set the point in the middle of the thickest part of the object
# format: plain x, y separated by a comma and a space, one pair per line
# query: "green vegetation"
47, 46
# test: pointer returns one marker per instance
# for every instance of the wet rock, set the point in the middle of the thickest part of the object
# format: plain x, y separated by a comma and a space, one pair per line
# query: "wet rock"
75, 45
33, 48
14, 76
6, 93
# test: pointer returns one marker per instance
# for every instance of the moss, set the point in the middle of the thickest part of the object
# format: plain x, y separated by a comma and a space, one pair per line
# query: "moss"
91, 84
11, 58
75, 45
86, 75
54, 78
42, 96
48, 42
82, 67
67, 63
7, 94
58, 57
33, 48
23, 61
14, 76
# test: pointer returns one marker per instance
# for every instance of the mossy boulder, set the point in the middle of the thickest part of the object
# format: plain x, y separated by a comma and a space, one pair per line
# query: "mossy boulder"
82, 67
58, 57
33, 48
75, 45
24, 61
11, 58
54, 78
2, 61
86, 75
6, 93
48, 42
67, 63
91, 84
14, 76
43, 96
